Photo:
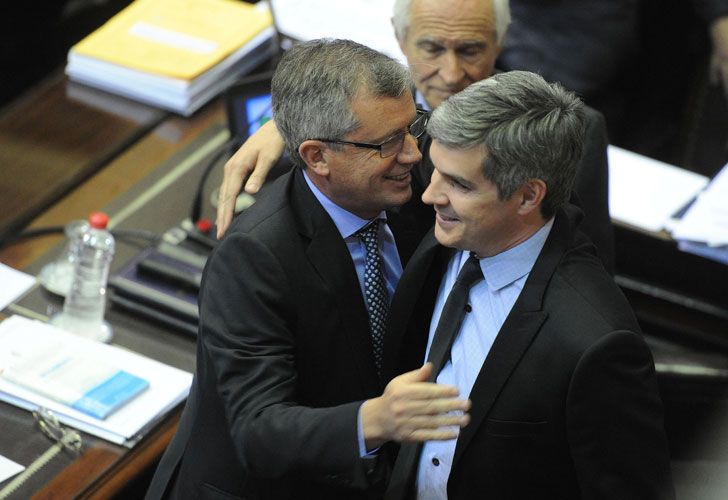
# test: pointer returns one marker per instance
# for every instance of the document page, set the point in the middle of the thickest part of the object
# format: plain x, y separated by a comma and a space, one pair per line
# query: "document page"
646, 193
8, 468
15, 283
707, 219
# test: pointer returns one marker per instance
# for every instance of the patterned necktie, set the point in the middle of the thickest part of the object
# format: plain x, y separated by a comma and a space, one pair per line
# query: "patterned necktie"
375, 289
453, 313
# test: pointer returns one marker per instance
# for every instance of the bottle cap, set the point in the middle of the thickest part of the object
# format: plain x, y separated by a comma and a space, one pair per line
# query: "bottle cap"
204, 225
98, 220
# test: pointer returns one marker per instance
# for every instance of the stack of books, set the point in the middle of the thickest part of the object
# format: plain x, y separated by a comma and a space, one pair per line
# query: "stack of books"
174, 54
101, 389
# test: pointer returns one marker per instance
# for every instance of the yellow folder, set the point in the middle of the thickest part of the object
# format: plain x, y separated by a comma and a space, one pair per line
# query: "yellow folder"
177, 38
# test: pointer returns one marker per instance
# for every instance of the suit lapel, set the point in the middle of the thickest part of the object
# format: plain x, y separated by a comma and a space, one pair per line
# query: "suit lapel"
517, 333
328, 254
411, 310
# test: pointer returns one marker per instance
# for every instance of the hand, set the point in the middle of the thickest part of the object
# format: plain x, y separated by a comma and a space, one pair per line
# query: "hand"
413, 410
719, 57
255, 158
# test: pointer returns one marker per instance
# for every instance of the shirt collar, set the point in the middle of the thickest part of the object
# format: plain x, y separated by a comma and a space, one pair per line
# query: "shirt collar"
346, 222
505, 268
420, 101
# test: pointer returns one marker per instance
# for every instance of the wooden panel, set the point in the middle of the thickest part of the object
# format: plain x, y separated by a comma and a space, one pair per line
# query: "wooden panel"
50, 141
118, 176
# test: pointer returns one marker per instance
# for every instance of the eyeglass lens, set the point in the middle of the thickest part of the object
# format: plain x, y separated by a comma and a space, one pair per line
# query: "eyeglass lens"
394, 145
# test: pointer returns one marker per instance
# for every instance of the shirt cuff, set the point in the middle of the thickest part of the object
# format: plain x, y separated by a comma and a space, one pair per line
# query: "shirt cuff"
363, 452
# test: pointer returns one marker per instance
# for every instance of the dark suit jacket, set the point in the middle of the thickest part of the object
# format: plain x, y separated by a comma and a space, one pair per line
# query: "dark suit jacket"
591, 188
566, 403
284, 361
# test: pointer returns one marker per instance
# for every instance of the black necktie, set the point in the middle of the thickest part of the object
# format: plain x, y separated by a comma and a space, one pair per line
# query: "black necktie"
450, 320
453, 313
375, 289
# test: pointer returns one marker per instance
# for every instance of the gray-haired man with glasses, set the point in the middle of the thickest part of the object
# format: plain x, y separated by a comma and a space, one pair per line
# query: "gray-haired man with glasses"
288, 400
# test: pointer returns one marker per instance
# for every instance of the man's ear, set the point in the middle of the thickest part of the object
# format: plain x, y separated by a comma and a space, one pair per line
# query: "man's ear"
312, 153
532, 194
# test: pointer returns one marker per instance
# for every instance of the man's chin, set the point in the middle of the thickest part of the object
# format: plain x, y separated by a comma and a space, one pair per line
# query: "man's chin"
444, 238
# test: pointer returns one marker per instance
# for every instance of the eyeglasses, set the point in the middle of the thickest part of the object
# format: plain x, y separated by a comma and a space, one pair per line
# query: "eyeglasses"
394, 144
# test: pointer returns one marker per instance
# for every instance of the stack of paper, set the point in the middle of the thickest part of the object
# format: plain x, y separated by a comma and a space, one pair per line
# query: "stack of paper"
646, 193
368, 22
175, 54
704, 227
129, 409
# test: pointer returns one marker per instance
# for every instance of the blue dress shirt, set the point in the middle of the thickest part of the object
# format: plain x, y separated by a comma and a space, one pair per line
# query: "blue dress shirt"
491, 301
348, 224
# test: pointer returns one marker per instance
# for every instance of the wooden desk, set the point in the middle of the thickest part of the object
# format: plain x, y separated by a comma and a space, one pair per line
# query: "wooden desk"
51, 140
154, 169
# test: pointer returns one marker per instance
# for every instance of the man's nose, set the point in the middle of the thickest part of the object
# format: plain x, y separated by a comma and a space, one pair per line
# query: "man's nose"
451, 69
410, 152
433, 194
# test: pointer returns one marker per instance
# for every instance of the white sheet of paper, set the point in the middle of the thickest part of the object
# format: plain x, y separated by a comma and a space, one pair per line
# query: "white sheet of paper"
644, 192
8, 468
707, 219
15, 283
365, 21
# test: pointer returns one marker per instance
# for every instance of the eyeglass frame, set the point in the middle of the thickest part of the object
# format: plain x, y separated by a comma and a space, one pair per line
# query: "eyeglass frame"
422, 115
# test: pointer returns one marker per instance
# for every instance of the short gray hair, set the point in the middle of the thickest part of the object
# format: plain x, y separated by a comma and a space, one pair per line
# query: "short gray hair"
315, 82
401, 18
528, 128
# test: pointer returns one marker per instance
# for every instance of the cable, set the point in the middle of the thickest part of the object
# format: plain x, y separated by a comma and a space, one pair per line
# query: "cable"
12, 239
119, 234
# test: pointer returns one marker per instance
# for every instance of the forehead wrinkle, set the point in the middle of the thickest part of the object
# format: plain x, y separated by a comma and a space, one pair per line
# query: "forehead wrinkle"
470, 22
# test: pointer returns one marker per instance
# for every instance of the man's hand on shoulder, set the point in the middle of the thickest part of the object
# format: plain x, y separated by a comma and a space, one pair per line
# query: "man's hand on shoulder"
411, 409
254, 160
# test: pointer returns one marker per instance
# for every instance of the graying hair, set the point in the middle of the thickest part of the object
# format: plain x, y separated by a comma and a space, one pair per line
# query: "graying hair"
401, 18
529, 129
315, 82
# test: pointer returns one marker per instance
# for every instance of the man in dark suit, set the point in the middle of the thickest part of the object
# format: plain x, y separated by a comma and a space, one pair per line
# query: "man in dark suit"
449, 44
563, 388
287, 398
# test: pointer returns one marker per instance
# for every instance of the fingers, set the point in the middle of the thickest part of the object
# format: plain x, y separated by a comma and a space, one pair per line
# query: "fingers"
259, 175
413, 409
255, 158
441, 428
405, 407
422, 374
236, 169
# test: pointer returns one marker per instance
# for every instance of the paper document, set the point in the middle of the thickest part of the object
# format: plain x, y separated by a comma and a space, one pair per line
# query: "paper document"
168, 386
365, 21
8, 468
707, 218
79, 381
15, 283
646, 193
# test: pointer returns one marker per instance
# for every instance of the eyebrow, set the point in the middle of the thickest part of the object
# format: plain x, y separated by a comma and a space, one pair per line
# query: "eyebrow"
394, 132
460, 45
457, 178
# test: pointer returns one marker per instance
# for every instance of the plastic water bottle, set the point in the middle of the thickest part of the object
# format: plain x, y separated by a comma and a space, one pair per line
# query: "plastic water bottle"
56, 276
83, 309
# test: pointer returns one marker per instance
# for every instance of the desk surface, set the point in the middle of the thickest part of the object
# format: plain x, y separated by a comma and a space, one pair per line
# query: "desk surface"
150, 176
78, 137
